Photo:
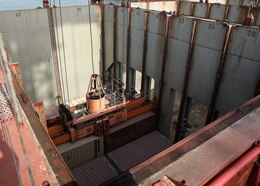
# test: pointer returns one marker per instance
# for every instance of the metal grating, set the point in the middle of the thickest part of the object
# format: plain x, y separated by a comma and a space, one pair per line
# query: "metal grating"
95, 172
5, 111
65, 147
138, 151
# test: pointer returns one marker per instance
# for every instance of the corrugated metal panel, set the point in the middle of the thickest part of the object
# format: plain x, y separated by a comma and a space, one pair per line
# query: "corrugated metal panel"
128, 131
95, 172
137, 151
81, 151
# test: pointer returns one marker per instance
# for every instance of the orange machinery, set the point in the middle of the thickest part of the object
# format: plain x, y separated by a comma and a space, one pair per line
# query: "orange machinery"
98, 117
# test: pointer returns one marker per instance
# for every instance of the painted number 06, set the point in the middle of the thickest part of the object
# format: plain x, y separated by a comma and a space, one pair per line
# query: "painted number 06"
251, 33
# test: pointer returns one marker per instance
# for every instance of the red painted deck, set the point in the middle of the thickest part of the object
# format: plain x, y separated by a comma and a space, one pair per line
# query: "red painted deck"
13, 162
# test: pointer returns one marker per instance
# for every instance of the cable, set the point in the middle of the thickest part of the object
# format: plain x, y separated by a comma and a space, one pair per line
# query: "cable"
57, 30
64, 55
91, 41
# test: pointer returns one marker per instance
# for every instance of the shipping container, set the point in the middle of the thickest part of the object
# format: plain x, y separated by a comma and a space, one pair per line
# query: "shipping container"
128, 131
130, 155
95, 172
81, 151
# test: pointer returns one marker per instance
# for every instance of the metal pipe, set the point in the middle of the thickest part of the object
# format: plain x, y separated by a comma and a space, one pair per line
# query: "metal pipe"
232, 171
10, 85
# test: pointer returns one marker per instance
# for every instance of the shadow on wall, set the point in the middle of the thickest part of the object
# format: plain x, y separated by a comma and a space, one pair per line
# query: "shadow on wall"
28, 39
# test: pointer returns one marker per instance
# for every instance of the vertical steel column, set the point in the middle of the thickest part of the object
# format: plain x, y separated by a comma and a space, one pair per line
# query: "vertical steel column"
9, 80
164, 59
128, 71
185, 84
219, 76
114, 43
102, 6
146, 21
54, 50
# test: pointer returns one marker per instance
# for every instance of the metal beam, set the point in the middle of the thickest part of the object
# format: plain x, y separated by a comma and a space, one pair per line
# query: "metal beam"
146, 21
102, 7
115, 42
164, 59
128, 71
219, 76
185, 84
